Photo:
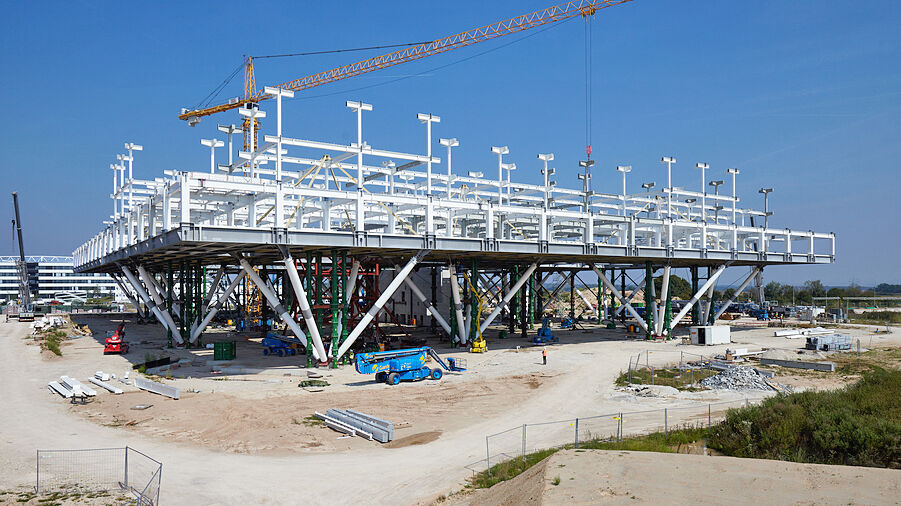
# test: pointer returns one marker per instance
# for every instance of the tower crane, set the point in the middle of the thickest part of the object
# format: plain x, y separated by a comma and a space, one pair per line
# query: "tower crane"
253, 96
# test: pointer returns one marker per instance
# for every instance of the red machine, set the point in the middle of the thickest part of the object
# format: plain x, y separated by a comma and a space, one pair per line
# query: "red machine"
115, 341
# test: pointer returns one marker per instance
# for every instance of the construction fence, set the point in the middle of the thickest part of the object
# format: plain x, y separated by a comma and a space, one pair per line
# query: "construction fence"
519, 441
123, 470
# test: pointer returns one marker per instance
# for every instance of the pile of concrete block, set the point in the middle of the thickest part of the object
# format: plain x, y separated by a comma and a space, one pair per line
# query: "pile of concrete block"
356, 423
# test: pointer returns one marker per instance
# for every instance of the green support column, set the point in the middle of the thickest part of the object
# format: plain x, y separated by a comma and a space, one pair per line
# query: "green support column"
182, 315
344, 303
453, 322
523, 310
474, 277
695, 314
513, 277
169, 303
668, 314
308, 277
530, 305
333, 302
649, 298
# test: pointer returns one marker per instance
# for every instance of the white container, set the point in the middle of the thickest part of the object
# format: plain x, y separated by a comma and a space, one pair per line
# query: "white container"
710, 334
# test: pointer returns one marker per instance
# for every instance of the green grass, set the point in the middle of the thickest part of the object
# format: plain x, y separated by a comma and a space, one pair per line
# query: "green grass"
52, 339
878, 317
857, 425
671, 377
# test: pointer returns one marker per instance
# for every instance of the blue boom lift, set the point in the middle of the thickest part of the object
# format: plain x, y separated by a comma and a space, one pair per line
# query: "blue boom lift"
395, 366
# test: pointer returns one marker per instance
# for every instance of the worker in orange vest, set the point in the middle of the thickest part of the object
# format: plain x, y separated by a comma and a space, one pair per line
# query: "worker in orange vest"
544, 355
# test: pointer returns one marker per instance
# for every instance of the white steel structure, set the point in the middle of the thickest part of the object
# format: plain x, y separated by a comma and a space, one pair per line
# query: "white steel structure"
366, 200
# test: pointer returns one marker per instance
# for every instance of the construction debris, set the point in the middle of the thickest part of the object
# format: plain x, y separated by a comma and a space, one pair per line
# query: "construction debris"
356, 423
737, 378
797, 364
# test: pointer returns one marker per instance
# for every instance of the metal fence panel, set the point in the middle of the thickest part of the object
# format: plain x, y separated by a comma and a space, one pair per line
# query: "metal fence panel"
94, 469
120, 469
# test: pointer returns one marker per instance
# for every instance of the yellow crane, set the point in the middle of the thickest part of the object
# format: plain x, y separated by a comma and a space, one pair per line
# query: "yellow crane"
516, 24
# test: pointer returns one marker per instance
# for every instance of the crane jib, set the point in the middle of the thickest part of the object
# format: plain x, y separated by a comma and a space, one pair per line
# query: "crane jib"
516, 24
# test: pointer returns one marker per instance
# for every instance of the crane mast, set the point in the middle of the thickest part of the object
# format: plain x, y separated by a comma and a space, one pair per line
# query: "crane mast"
21, 265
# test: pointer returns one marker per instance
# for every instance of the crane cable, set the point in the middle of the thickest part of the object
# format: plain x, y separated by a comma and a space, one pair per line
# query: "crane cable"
588, 87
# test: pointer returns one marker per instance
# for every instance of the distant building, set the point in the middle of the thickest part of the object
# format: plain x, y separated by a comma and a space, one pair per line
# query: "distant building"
52, 277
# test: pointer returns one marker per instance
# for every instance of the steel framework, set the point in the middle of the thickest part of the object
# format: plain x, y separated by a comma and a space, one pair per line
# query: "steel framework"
362, 202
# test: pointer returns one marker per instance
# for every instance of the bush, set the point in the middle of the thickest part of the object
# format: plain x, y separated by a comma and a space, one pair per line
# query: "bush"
857, 425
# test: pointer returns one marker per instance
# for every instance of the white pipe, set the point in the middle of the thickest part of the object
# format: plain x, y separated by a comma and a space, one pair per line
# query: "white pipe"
147, 300
631, 298
276, 305
434, 312
619, 296
458, 305
664, 292
215, 309
304, 303
377, 306
741, 288
590, 306
697, 296
508, 297
129, 295
158, 300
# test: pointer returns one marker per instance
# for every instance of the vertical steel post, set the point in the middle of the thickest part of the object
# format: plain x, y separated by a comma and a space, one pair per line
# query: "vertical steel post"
577, 433
530, 311
649, 299
524, 319
181, 294
695, 313
665, 423
511, 276
488, 455
333, 302
169, 303
126, 468
523, 442
345, 301
708, 417
432, 321
474, 279
308, 276
572, 298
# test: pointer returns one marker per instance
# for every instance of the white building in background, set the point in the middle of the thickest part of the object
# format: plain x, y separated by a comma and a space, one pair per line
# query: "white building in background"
53, 278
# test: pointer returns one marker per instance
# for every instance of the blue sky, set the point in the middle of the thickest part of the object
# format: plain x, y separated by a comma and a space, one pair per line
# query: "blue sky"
802, 96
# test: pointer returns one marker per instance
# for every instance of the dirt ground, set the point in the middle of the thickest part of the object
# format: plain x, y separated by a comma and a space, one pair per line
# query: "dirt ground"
246, 422
620, 477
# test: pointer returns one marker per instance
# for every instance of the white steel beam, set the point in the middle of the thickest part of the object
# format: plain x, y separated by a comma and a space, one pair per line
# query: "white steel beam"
277, 306
664, 292
128, 294
304, 303
695, 297
618, 295
214, 287
590, 306
744, 284
380, 302
432, 310
160, 315
458, 304
211, 312
508, 297
158, 298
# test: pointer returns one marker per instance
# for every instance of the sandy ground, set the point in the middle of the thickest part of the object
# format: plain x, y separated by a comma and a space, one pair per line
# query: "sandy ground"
244, 423
619, 477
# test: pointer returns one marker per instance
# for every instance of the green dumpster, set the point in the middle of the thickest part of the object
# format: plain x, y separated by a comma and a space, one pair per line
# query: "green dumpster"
224, 350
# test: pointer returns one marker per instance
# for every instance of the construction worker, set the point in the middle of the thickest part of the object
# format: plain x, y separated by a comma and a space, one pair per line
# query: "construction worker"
544, 355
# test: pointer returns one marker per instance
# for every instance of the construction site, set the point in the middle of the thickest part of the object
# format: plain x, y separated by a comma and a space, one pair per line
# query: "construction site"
399, 325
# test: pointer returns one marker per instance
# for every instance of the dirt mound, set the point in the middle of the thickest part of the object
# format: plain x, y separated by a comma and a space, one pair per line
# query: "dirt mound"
414, 439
